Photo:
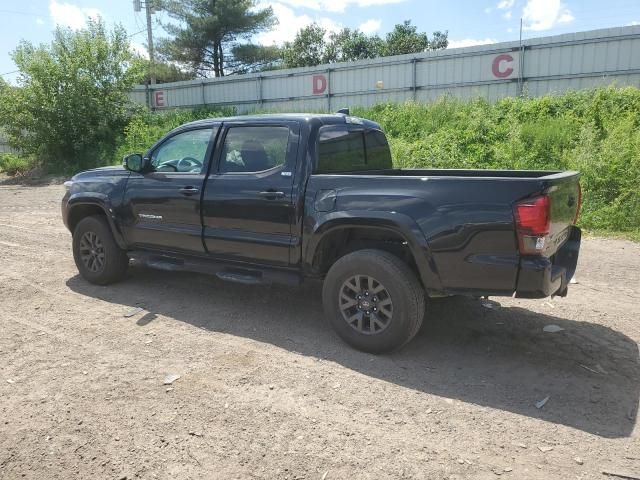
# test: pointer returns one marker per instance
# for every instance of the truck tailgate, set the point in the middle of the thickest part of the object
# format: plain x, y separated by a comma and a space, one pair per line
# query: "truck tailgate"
544, 221
548, 239
565, 197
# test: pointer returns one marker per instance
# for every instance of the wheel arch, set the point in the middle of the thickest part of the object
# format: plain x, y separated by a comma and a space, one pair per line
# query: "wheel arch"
82, 207
392, 232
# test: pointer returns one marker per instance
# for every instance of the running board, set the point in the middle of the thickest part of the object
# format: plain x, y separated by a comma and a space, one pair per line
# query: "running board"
237, 273
245, 279
165, 265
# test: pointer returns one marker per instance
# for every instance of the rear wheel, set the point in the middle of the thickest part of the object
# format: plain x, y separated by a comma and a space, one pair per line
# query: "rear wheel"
373, 301
96, 253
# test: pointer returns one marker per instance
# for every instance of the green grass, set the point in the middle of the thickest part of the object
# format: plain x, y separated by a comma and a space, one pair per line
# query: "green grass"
596, 132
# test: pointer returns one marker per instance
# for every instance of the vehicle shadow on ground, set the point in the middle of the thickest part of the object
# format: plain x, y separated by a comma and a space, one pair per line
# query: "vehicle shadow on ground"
498, 358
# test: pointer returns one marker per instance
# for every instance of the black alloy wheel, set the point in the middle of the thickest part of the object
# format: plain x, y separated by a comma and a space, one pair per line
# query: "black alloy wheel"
92, 252
373, 300
97, 255
366, 304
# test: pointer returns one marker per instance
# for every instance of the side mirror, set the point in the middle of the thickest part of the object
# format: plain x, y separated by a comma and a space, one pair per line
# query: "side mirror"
134, 162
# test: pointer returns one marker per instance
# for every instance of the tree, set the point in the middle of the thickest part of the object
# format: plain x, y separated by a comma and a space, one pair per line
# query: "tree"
405, 38
209, 29
439, 40
349, 45
164, 72
71, 102
255, 58
307, 49
313, 46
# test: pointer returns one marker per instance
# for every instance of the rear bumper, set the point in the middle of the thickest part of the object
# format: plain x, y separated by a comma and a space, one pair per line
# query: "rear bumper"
541, 277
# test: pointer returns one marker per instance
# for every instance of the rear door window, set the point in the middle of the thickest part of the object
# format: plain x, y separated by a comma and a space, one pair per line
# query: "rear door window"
378, 153
249, 149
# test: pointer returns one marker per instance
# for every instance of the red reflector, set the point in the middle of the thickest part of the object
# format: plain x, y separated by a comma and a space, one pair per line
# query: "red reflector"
533, 216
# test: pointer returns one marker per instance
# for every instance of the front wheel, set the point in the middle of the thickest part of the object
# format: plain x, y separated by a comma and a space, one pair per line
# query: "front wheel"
373, 301
96, 253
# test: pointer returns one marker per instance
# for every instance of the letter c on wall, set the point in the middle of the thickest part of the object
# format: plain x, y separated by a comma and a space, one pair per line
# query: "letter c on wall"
496, 66
319, 84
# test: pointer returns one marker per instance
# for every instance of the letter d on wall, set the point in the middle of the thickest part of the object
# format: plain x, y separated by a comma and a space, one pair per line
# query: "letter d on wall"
319, 84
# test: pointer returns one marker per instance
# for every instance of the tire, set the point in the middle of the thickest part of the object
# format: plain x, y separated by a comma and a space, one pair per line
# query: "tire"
399, 306
92, 237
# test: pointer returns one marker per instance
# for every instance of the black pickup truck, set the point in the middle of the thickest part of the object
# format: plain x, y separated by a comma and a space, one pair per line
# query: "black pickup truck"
284, 198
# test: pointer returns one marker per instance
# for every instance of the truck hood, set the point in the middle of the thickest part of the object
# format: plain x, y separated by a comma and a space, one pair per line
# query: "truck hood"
111, 171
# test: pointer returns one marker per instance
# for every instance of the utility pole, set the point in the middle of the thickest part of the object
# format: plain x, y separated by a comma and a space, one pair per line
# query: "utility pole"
137, 7
520, 62
152, 70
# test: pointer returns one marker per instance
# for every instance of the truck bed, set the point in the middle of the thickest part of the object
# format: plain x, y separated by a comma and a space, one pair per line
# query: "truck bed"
466, 217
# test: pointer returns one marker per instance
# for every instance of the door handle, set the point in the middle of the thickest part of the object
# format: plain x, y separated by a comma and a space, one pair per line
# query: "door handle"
189, 190
271, 194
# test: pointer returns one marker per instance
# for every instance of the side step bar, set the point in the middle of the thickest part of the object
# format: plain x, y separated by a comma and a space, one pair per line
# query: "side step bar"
236, 277
224, 270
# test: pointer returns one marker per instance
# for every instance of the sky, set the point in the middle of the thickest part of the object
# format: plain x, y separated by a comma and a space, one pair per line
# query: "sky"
469, 22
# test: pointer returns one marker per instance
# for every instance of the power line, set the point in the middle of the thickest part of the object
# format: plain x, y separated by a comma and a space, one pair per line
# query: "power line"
137, 33
128, 36
32, 14
16, 12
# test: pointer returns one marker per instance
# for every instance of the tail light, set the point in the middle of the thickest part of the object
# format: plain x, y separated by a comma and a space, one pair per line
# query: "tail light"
533, 220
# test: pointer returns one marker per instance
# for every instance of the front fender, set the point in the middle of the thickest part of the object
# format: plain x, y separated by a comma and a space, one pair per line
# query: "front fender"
94, 199
398, 223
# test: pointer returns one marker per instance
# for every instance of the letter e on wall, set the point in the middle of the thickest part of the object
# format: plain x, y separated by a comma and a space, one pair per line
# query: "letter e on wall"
159, 98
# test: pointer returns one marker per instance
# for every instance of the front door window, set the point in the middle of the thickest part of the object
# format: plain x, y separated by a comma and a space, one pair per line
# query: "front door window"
183, 153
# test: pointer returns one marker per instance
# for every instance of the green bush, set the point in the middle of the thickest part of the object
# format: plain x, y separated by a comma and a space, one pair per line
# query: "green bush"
596, 132
13, 164
71, 102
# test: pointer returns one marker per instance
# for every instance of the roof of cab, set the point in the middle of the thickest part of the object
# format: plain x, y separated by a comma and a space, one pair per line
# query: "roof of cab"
322, 118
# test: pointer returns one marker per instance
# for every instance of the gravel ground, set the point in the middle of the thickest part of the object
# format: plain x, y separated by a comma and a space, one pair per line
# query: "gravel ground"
267, 391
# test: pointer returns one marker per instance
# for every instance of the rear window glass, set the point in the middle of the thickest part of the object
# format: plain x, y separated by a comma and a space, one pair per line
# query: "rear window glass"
344, 150
378, 153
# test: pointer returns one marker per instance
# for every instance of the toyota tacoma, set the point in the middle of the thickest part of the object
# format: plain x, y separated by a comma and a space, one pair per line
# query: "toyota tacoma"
292, 197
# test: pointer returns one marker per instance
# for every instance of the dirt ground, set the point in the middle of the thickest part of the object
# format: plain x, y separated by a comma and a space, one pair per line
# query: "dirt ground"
266, 390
